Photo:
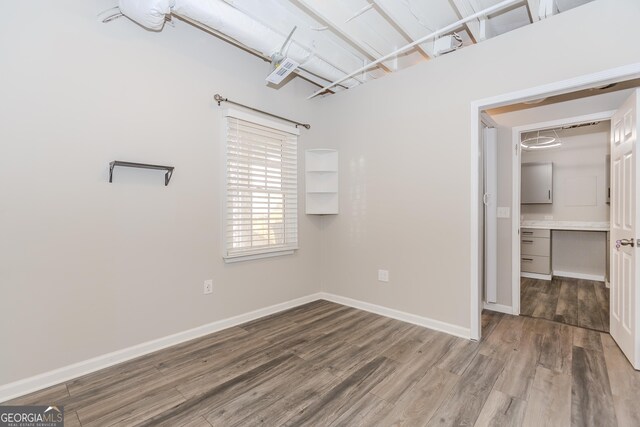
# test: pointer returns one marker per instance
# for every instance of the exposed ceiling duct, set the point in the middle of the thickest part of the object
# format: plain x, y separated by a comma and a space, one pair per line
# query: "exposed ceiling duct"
340, 44
222, 17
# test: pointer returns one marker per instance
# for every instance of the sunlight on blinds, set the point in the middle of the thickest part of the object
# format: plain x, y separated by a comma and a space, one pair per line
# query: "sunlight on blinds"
261, 185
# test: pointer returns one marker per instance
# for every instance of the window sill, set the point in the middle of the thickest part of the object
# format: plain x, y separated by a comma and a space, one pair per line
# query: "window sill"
239, 258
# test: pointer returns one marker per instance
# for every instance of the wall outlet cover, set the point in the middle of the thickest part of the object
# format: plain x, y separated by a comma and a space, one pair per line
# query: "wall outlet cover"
548, 217
208, 287
383, 275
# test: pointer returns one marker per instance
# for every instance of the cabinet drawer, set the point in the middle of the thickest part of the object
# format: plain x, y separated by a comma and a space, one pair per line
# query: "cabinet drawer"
534, 232
535, 246
535, 264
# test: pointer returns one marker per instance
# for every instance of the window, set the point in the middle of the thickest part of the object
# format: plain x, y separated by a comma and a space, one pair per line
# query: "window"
261, 205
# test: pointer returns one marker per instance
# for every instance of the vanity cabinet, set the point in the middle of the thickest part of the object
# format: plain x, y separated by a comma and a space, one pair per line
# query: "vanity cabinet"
535, 251
536, 183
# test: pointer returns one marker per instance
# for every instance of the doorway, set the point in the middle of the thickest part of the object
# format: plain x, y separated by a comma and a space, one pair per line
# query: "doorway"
557, 89
564, 213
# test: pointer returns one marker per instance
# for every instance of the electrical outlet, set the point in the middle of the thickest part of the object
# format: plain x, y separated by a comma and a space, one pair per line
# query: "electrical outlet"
548, 217
208, 286
383, 275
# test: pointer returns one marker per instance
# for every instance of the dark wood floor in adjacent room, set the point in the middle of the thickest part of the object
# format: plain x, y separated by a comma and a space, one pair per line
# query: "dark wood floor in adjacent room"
324, 364
583, 303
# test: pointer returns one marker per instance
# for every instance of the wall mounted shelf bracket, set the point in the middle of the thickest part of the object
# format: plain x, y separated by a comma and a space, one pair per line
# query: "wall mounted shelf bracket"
167, 175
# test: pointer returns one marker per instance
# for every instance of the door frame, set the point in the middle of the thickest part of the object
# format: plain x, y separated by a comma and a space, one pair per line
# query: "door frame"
515, 195
602, 78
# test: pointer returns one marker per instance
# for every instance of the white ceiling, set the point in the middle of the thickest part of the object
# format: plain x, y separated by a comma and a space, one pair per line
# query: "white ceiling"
348, 34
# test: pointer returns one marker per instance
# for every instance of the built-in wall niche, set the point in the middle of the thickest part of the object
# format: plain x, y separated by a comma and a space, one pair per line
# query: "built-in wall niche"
321, 169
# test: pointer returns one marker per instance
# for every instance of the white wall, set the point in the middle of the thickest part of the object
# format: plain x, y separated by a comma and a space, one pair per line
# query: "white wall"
579, 182
580, 254
88, 267
404, 150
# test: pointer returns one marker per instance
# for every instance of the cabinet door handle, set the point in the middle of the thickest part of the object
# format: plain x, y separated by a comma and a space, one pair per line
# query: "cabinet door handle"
527, 241
549, 194
527, 259
527, 232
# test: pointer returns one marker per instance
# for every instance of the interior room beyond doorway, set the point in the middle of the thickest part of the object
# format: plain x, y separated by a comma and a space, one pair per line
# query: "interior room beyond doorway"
576, 302
572, 285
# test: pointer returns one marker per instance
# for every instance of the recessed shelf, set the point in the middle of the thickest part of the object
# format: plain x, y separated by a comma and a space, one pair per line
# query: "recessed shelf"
167, 175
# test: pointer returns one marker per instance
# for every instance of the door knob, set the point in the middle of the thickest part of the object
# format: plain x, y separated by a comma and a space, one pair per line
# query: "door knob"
624, 242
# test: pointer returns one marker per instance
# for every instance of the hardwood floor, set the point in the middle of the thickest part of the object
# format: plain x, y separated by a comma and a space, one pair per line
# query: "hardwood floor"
324, 364
583, 303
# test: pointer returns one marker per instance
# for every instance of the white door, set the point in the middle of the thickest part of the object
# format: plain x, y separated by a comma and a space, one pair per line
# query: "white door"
490, 199
624, 301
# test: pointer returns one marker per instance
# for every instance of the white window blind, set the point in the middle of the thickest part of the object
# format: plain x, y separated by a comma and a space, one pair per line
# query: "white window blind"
261, 190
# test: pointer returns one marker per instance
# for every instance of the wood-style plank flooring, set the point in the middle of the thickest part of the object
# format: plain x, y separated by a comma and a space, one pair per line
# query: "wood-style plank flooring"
582, 303
324, 364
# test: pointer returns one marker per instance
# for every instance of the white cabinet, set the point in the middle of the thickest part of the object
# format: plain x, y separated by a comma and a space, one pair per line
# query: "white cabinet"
321, 179
535, 251
536, 183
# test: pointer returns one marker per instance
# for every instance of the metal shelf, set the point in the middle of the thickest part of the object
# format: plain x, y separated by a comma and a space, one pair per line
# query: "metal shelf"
167, 176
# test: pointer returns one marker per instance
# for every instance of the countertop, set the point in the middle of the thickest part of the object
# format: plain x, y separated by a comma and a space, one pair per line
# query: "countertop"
565, 225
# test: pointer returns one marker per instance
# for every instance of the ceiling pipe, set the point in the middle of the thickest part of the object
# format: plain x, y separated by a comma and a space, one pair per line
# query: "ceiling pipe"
495, 8
222, 17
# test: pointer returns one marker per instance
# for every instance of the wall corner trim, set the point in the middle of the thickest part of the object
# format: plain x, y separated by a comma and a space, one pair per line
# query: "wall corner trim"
47, 379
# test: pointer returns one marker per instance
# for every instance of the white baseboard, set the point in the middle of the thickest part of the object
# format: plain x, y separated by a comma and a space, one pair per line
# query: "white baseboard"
594, 277
426, 322
38, 382
500, 308
536, 276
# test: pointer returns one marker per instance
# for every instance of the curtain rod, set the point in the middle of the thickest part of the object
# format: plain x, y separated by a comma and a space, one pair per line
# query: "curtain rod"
219, 99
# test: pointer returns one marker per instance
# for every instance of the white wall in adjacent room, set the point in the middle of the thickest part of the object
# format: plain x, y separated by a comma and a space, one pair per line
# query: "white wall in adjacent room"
579, 176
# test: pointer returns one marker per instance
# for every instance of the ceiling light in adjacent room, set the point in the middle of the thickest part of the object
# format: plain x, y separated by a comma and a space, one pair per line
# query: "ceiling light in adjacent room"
540, 141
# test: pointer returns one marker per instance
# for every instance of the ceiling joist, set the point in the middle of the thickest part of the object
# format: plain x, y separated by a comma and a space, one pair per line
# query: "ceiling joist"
541, 9
476, 27
338, 29
388, 16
